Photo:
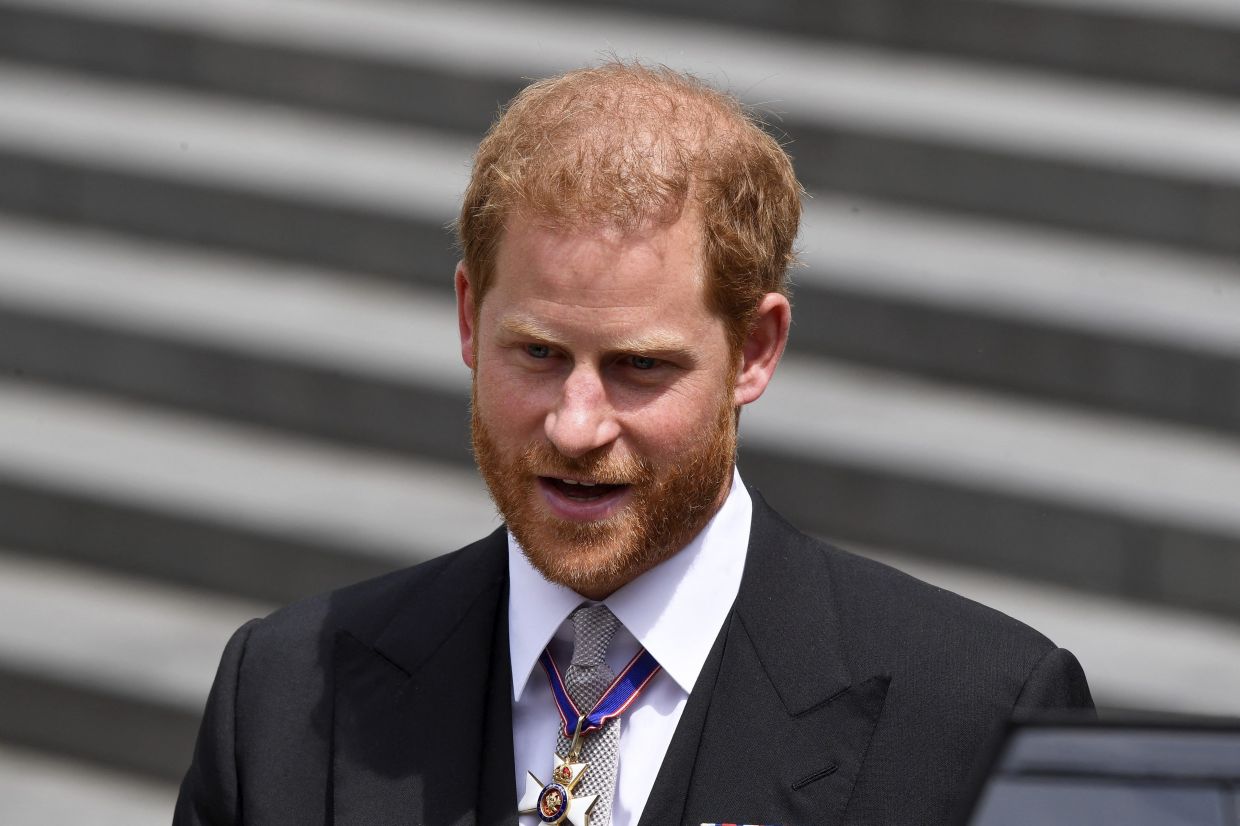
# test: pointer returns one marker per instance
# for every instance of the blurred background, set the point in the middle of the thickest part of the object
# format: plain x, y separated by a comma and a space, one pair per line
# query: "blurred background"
229, 377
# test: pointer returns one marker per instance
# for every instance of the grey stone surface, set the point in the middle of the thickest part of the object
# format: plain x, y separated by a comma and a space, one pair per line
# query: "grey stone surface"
1132, 328
108, 669
248, 476
1104, 461
219, 141
1190, 43
933, 130
234, 175
226, 356
211, 504
1105, 502
41, 790
125, 636
1108, 503
343, 320
1099, 502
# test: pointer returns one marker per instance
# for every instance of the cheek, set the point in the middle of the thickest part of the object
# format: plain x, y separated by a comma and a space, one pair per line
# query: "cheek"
677, 422
508, 398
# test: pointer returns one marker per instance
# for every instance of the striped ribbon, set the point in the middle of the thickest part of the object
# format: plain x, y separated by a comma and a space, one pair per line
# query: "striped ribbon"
623, 690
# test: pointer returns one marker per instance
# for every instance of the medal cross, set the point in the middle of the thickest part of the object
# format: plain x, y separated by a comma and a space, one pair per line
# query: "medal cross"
555, 802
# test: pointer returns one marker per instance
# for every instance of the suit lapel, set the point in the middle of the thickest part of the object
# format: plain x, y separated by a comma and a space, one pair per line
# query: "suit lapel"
497, 796
422, 725
776, 727
666, 803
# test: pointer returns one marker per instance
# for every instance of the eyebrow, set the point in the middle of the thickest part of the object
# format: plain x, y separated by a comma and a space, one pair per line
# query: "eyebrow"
526, 328
656, 342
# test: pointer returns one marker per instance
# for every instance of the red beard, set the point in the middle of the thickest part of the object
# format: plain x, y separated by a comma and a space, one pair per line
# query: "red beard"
670, 503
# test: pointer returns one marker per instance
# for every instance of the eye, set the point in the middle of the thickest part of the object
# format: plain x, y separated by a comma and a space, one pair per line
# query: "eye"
643, 362
538, 351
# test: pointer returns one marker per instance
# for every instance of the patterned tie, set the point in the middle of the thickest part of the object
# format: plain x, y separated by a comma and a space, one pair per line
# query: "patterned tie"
587, 677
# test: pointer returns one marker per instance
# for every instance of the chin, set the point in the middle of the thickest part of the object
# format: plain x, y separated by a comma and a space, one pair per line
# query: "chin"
593, 558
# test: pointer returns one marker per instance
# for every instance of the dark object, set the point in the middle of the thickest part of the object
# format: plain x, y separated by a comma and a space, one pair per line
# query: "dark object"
1114, 772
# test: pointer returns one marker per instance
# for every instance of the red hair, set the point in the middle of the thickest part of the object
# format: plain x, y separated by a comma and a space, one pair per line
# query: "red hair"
625, 145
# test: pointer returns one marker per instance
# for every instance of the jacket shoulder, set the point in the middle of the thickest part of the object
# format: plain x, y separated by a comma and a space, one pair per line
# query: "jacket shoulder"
295, 636
893, 623
895, 603
955, 670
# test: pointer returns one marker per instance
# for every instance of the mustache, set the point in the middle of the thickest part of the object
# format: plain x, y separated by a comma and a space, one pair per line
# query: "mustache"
601, 466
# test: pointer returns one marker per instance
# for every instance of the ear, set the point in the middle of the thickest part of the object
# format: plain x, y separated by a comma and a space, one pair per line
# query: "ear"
762, 348
465, 314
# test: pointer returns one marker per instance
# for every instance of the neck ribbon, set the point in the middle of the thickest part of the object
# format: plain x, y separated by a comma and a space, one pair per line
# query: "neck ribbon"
626, 688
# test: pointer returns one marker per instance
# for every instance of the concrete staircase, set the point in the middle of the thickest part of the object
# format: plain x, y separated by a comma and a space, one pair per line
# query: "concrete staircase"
227, 376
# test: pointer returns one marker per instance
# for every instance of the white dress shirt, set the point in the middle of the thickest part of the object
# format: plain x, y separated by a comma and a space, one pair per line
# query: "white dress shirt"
675, 611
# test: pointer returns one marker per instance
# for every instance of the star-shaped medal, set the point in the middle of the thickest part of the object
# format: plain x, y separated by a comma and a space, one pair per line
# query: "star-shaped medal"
554, 802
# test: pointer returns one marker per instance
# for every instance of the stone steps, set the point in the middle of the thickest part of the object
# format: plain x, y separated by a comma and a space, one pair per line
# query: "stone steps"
1103, 502
42, 790
331, 354
1029, 488
928, 129
1140, 329
266, 179
1129, 327
107, 669
199, 502
227, 376
1188, 43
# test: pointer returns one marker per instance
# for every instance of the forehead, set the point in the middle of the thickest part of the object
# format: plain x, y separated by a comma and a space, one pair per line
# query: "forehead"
604, 290
601, 269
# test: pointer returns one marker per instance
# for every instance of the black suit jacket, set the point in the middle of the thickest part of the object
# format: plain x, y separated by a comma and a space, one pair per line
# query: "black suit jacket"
838, 691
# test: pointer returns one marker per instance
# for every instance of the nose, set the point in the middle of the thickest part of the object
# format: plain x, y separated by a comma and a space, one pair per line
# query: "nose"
583, 419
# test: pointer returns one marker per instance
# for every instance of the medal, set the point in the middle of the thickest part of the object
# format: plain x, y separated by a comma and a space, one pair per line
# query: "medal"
554, 802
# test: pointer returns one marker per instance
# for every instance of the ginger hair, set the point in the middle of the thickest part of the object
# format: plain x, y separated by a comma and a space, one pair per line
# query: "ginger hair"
628, 146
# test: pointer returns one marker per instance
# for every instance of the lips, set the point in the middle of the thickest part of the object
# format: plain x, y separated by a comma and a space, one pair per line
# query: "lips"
581, 500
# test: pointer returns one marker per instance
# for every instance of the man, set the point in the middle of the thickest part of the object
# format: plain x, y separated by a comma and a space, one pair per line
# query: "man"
626, 236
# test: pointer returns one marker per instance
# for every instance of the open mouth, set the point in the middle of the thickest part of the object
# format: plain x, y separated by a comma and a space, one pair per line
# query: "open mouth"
580, 500
581, 491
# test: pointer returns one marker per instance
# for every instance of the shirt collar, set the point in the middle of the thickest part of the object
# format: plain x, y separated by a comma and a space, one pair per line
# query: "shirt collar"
675, 610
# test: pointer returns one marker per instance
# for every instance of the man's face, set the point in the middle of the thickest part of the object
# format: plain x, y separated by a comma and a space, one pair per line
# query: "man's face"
603, 409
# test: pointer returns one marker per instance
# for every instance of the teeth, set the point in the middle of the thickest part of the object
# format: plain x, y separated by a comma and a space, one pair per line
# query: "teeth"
583, 484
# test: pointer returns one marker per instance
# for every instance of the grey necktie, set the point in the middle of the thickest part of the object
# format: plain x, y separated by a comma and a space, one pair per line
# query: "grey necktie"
587, 677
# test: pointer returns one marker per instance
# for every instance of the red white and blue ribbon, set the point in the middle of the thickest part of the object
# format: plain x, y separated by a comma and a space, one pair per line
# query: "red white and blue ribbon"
630, 683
